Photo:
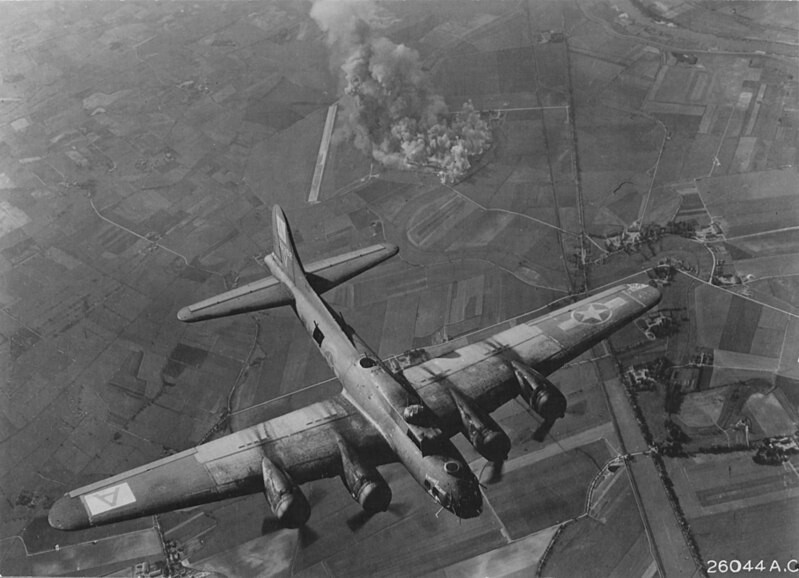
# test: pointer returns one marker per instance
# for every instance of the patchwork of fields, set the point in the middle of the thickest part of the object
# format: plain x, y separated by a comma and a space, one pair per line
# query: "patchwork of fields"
143, 145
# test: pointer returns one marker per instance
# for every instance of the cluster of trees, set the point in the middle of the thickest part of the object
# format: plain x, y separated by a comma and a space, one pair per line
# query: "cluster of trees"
773, 453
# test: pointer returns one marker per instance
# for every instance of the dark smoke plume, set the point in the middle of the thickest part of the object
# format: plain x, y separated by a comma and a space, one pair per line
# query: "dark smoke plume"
393, 113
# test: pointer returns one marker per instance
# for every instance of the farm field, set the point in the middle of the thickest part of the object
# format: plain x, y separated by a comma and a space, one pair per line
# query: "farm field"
144, 144
611, 541
735, 505
752, 203
546, 499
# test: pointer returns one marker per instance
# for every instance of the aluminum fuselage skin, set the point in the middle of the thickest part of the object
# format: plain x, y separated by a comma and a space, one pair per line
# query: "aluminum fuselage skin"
379, 396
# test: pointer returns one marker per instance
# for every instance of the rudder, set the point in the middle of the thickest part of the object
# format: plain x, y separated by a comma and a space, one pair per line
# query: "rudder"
284, 250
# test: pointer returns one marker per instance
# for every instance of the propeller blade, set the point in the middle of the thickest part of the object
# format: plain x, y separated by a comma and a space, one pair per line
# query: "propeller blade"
496, 472
543, 431
270, 525
307, 536
399, 510
359, 520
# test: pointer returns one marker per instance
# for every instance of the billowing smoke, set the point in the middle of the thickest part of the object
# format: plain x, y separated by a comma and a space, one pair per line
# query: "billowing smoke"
393, 113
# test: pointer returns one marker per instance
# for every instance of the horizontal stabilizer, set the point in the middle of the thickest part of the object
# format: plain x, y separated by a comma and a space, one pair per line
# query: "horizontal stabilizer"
268, 292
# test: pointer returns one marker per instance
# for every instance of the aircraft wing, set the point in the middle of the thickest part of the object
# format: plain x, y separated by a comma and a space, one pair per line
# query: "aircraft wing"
486, 371
302, 443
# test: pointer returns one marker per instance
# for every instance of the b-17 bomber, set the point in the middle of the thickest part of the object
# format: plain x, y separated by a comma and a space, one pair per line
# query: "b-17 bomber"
382, 415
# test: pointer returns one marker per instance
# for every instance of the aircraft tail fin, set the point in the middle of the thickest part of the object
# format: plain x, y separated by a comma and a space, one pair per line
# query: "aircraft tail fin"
288, 274
284, 250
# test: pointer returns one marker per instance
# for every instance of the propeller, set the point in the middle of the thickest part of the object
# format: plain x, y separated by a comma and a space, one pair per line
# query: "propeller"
305, 534
360, 518
495, 471
496, 467
270, 525
542, 432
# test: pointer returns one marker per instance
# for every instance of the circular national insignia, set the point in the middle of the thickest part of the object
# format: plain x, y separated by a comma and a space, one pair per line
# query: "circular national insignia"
593, 314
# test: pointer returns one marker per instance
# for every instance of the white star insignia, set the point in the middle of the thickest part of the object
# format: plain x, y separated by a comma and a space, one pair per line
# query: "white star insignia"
593, 314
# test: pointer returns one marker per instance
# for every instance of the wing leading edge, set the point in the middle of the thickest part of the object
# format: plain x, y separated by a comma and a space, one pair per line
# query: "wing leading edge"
305, 444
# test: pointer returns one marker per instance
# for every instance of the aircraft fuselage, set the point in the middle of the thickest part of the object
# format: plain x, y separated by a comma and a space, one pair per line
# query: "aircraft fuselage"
393, 407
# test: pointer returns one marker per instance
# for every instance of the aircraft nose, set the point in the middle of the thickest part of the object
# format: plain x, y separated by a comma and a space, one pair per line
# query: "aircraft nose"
470, 507
467, 500
68, 514
184, 314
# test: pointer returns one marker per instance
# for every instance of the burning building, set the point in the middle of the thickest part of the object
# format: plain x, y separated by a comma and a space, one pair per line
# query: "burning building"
392, 112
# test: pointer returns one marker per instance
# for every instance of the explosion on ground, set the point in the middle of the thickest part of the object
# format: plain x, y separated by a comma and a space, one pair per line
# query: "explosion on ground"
392, 113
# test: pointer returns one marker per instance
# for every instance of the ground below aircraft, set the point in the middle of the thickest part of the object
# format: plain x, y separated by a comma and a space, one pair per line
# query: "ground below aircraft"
381, 416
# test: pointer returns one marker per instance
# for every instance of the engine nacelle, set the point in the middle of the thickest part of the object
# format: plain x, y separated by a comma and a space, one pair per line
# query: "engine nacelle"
363, 481
481, 430
540, 394
285, 498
